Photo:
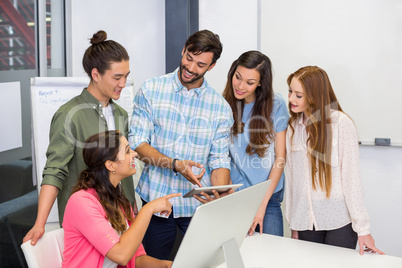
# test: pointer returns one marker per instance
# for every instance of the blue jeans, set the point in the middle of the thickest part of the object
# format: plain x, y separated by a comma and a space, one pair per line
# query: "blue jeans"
160, 236
273, 220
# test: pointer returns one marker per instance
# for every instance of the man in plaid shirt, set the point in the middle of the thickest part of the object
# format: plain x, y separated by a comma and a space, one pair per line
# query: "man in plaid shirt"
181, 128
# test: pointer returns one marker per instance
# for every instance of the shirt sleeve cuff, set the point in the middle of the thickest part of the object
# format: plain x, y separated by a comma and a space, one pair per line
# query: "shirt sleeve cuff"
223, 163
134, 143
363, 233
52, 180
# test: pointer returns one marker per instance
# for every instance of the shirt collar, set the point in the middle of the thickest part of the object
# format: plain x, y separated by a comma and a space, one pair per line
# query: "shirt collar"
178, 85
300, 120
94, 102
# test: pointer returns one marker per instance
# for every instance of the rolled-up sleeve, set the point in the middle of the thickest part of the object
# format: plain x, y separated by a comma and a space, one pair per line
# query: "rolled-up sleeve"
219, 153
281, 117
141, 126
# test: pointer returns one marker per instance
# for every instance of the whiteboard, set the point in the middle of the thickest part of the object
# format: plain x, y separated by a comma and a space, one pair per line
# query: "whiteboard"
47, 95
11, 91
358, 43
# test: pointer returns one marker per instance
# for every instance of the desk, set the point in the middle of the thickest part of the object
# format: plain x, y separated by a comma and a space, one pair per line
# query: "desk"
274, 251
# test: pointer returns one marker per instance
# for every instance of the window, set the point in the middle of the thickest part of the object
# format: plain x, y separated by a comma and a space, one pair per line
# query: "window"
17, 35
31, 44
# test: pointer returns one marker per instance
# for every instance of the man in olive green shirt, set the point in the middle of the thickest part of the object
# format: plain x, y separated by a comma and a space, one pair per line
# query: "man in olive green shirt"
71, 125
107, 64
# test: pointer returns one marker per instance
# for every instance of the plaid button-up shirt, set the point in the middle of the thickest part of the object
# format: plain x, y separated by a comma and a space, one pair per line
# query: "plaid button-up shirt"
184, 124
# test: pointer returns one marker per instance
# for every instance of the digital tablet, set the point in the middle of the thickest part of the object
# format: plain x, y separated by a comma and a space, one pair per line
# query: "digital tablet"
208, 190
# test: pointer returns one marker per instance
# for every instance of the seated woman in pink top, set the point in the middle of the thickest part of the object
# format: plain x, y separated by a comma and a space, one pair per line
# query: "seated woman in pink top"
99, 225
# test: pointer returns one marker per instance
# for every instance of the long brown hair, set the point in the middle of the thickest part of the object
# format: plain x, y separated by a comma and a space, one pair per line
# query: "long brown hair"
98, 149
320, 99
261, 113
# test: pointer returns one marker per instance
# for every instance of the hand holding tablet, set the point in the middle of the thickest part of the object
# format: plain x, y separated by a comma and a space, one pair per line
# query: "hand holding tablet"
208, 190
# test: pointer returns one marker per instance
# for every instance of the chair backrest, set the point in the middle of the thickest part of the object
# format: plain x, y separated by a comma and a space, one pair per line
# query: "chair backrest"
48, 251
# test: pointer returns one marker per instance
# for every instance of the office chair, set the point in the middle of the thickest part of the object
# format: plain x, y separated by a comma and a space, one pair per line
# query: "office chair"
48, 251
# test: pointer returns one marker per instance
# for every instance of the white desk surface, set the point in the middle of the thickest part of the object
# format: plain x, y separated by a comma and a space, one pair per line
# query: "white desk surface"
273, 251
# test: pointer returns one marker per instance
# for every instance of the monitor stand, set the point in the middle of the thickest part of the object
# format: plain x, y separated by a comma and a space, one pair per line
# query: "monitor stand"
232, 254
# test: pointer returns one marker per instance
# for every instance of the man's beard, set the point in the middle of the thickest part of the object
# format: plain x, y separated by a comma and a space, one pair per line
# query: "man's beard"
196, 77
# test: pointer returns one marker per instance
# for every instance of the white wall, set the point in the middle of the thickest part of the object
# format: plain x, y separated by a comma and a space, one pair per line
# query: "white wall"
137, 25
236, 23
357, 42
381, 169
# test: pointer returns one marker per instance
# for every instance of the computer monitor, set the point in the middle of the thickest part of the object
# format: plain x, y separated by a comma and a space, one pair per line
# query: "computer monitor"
218, 229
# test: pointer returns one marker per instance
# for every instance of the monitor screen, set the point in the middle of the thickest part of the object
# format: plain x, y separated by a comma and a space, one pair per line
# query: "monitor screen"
225, 220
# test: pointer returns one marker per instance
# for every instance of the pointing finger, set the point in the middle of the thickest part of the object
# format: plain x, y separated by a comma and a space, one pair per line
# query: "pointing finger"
169, 196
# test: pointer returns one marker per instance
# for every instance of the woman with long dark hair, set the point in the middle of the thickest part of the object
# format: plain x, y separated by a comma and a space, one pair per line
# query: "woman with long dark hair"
257, 147
99, 225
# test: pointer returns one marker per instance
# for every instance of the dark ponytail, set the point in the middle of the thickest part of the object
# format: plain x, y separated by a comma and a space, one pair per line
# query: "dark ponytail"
102, 53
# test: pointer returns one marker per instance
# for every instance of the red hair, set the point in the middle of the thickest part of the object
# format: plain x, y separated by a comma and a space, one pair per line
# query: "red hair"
321, 99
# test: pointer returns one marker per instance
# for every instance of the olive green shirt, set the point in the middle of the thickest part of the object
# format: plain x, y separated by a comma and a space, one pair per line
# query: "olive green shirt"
71, 125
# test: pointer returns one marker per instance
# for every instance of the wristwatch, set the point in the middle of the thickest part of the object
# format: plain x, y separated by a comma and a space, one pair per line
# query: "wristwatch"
174, 166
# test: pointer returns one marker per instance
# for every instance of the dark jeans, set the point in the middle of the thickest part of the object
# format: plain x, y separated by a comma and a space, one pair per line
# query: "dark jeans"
161, 234
273, 219
343, 237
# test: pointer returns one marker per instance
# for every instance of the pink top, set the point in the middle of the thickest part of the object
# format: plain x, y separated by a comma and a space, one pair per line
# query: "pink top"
88, 235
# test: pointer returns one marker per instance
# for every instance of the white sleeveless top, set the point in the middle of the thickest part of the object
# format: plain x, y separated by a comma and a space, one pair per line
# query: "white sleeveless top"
107, 263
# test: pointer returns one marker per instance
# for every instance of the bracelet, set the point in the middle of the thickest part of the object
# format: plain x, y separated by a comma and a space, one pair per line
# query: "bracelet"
174, 166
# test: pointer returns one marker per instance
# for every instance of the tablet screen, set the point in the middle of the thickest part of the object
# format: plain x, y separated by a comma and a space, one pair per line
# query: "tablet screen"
208, 190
